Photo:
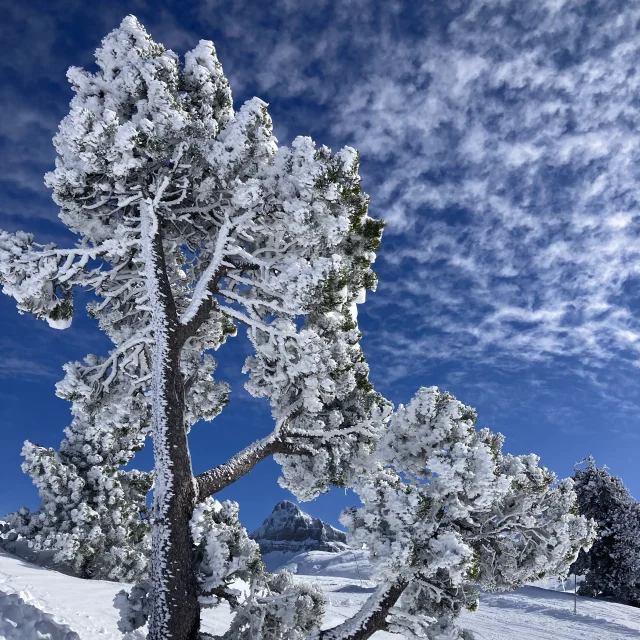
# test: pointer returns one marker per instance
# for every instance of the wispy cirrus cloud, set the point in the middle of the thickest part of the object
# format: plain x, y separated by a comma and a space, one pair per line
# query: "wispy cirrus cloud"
25, 368
499, 139
504, 152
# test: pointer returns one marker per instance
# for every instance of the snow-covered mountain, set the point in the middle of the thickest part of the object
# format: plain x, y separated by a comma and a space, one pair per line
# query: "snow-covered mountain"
289, 535
289, 530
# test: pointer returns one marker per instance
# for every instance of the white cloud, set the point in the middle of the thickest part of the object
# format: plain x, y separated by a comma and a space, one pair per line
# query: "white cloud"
531, 131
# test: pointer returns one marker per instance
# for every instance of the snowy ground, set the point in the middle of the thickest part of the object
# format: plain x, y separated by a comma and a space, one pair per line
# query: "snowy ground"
38, 603
540, 614
344, 564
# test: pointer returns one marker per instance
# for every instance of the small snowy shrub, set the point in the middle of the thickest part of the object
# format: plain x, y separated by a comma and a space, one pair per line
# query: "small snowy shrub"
278, 608
223, 551
134, 607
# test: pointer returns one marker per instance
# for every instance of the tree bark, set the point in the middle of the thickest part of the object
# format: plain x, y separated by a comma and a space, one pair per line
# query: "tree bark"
172, 543
222, 476
175, 611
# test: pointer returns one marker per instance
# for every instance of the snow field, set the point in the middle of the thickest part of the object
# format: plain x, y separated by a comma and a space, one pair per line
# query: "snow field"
40, 604
21, 620
532, 613
344, 564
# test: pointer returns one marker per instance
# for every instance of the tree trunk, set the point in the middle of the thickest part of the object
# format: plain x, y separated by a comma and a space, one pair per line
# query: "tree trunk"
175, 611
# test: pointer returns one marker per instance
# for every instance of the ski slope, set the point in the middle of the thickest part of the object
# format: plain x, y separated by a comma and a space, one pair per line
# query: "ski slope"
38, 603
533, 613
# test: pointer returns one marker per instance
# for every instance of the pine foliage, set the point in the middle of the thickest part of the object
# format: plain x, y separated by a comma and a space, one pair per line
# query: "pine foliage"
612, 566
445, 512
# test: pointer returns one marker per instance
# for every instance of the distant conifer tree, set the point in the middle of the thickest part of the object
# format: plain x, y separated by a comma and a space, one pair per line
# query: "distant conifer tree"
612, 565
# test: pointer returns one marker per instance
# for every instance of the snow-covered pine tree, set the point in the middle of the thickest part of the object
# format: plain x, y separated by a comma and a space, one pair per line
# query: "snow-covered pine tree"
93, 513
612, 566
191, 220
446, 512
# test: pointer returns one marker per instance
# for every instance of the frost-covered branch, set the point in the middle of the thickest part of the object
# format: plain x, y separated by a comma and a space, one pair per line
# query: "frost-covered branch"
372, 616
40, 279
213, 481
206, 282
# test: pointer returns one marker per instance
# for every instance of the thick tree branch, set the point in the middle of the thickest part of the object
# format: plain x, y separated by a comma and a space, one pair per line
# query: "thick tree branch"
372, 616
216, 479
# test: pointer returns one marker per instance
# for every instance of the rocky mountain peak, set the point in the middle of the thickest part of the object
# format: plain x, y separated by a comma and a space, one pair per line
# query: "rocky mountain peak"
289, 529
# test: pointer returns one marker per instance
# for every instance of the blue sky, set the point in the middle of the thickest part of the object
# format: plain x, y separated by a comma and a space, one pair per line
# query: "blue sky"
500, 140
